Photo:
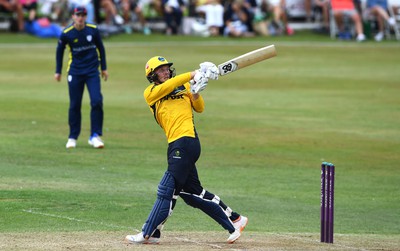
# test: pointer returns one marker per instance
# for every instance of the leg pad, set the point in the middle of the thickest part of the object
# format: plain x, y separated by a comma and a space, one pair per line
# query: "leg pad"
162, 208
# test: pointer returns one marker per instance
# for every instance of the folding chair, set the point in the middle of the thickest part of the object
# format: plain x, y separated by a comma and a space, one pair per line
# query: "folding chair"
396, 26
368, 17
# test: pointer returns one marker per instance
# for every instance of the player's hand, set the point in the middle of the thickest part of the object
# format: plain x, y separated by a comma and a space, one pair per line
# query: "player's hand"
57, 77
210, 69
198, 83
104, 75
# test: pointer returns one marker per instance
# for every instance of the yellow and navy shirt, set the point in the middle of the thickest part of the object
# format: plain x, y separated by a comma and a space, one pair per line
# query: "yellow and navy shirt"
86, 50
172, 105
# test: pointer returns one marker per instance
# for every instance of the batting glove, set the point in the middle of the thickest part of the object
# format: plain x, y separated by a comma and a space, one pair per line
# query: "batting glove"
198, 83
210, 69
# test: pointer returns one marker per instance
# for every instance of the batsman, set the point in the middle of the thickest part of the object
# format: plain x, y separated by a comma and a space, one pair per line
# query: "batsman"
172, 100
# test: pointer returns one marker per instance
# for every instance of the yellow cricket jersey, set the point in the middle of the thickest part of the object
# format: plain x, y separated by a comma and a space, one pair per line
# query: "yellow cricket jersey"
172, 105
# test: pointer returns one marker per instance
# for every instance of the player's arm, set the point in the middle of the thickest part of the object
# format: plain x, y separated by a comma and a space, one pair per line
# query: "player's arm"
197, 78
154, 92
60, 56
196, 100
102, 51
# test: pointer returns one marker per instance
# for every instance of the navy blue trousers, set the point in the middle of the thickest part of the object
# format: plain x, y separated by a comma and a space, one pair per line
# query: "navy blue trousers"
174, 19
76, 86
182, 156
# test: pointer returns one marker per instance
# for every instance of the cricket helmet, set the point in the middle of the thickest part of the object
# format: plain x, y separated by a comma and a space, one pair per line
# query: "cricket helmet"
153, 64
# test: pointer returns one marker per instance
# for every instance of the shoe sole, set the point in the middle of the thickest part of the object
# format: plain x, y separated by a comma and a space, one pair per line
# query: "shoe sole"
102, 146
72, 145
146, 242
99, 147
232, 241
240, 230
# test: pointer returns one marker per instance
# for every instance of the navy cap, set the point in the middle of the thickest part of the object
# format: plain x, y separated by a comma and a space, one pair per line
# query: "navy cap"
80, 10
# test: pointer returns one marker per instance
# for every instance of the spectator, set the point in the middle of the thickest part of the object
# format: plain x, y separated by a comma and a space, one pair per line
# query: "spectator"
341, 8
87, 54
252, 6
112, 16
151, 7
88, 4
56, 10
395, 5
214, 16
324, 6
260, 18
238, 20
127, 6
31, 7
137, 8
308, 8
378, 9
16, 7
173, 14
278, 10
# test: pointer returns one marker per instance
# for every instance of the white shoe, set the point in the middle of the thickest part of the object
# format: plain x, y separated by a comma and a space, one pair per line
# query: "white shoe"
146, 30
379, 36
71, 143
392, 21
96, 141
234, 236
240, 223
118, 20
139, 239
361, 37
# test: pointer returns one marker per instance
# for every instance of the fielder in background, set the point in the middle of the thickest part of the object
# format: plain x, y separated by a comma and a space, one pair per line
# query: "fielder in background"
87, 53
172, 100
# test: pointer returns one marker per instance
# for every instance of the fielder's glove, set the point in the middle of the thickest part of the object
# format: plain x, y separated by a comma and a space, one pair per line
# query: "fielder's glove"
198, 83
210, 69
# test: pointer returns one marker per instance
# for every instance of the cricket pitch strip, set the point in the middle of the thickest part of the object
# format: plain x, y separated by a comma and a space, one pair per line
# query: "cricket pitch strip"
199, 241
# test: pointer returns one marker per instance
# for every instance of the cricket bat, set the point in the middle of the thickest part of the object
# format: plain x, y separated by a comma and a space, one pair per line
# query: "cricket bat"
247, 59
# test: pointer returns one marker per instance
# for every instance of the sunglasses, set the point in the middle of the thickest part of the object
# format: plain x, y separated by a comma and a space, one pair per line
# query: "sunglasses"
80, 14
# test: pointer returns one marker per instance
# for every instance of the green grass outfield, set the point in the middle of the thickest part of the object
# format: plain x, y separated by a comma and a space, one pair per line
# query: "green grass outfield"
265, 131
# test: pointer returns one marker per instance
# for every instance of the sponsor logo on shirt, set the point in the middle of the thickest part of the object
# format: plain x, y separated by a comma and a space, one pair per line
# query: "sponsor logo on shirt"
84, 48
178, 93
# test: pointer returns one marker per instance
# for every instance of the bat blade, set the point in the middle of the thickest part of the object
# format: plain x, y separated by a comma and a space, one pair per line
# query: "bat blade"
247, 59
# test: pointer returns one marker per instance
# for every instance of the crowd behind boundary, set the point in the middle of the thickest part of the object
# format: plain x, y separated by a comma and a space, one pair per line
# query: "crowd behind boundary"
344, 19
